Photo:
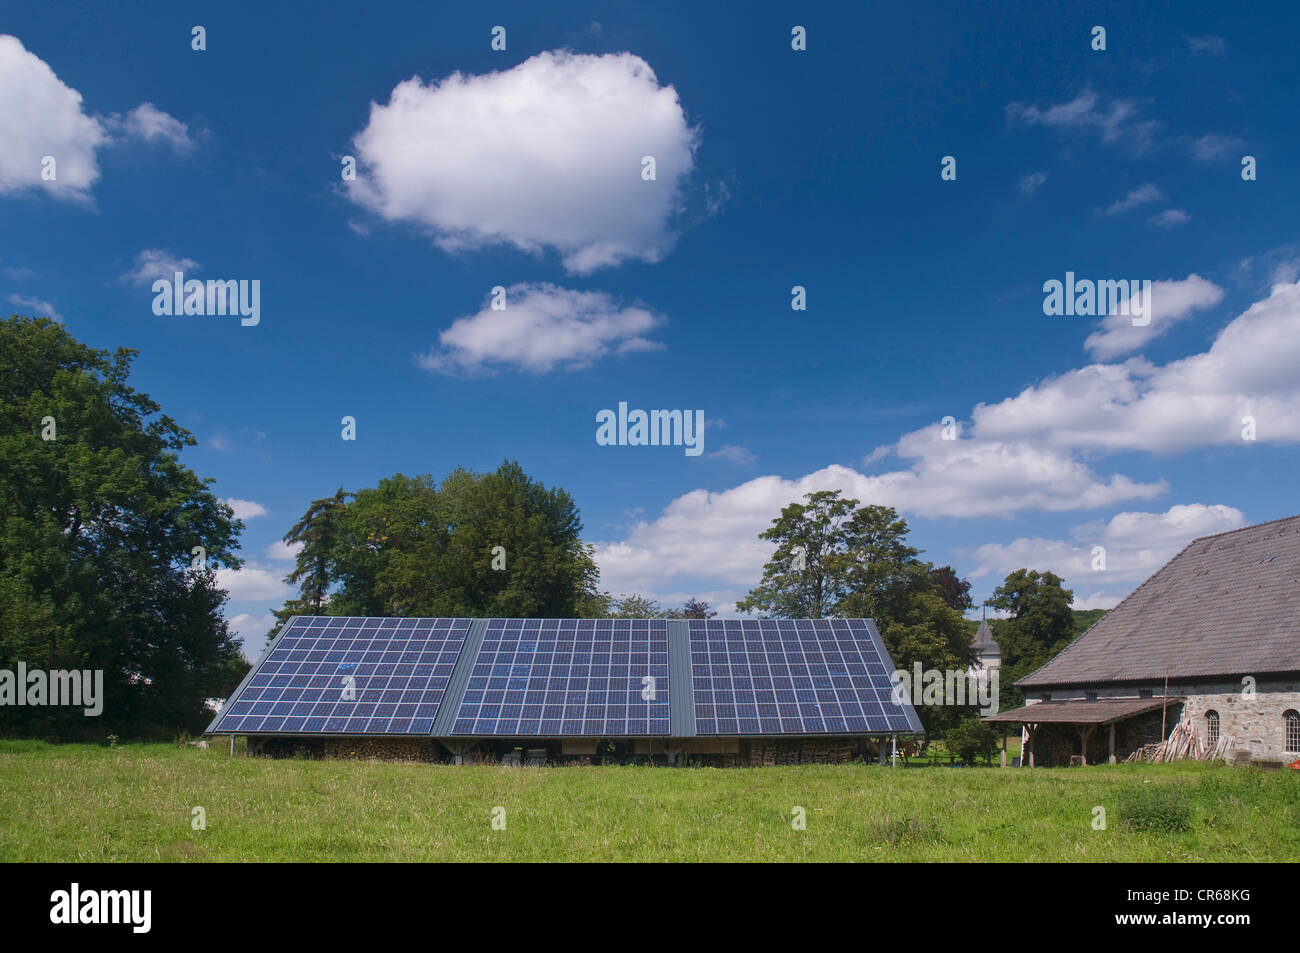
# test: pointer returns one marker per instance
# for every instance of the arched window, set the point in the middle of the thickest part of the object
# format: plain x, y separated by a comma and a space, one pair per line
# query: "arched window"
1292, 720
1212, 727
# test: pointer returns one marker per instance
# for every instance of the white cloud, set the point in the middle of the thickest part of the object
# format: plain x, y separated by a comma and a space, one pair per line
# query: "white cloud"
1143, 194
541, 328
254, 583
1169, 218
714, 535
734, 454
546, 154
41, 116
252, 629
1117, 124
280, 551
36, 306
245, 509
1170, 302
1197, 401
154, 263
1136, 545
148, 123
1031, 183
1210, 147
1205, 44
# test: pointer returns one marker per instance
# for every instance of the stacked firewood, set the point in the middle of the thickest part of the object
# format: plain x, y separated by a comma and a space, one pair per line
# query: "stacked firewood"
1183, 743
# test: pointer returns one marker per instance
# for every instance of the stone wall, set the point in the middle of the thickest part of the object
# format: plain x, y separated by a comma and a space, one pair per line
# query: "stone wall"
1256, 721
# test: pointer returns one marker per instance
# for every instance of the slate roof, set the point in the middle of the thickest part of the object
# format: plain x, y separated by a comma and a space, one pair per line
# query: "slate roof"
1226, 605
984, 644
1075, 712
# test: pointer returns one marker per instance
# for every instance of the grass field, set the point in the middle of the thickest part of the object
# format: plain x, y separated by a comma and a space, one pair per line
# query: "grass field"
135, 803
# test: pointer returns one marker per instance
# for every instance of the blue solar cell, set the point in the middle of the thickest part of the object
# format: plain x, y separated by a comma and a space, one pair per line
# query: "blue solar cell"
784, 676
568, 677
330, 675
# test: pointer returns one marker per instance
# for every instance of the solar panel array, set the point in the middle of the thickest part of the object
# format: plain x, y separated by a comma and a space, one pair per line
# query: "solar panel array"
348, 675
605, 677
790, 676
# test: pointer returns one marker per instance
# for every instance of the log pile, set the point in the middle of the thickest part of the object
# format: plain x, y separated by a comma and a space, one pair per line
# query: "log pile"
1184, 743
380, 749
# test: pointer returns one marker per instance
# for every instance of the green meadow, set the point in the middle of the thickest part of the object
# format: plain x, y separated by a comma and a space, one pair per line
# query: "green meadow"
137, 803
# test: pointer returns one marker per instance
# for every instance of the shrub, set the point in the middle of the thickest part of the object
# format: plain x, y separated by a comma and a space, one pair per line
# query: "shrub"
1158, 808
971, 739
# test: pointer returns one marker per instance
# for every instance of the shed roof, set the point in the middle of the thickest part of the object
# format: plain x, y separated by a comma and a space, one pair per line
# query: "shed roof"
1075, 712
1226, 605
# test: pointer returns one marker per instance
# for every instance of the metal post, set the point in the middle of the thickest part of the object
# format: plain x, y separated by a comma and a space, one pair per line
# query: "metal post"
232, 746
893, 751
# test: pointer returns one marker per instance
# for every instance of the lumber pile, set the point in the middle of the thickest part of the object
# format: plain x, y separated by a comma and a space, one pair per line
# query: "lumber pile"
1183, 743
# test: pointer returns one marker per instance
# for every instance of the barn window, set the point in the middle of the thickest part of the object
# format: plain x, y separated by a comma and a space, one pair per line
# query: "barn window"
1145, 692
1292, 719
1212, 727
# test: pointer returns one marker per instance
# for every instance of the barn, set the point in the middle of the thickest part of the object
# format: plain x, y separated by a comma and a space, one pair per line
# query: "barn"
1213, 638
714, 691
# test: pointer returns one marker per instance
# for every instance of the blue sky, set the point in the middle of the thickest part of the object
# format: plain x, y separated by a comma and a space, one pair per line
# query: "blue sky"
775, 168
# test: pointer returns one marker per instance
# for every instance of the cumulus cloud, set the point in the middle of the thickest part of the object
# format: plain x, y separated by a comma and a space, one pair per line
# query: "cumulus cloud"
254, 583
245, 509
734, 454
148, 123
154, 263
541, 328
1031, 183
1170, 302
714, 535
547, 154
280, 551
1119, 123
35, 306
250, 628
43, 117
1205, 44
1169, 218
1136, 544
1210, 147
1197, 401
1143, 194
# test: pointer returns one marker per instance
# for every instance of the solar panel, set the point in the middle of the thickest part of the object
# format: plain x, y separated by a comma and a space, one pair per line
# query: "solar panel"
348, 675
601, 677
784, 676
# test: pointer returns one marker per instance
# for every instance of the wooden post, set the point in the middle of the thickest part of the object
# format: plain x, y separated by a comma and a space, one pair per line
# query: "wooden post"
1112, 742
1030, 738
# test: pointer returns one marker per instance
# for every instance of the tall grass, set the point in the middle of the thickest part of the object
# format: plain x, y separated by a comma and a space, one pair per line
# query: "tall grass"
136, 802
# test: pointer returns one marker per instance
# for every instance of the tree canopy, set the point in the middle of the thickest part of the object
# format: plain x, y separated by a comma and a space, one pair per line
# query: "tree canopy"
1041, 624
109, 546
834, 557
475, 545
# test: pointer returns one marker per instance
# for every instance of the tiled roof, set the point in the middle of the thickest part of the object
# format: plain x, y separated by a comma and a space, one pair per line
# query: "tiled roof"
1081, 712
1226, 605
